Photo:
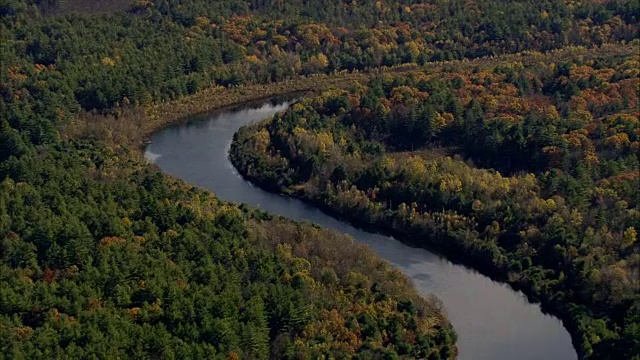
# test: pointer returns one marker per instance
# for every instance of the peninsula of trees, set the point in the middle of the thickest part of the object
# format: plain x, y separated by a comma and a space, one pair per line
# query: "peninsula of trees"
525, 167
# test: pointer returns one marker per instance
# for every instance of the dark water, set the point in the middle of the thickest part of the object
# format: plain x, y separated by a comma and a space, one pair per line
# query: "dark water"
492, 321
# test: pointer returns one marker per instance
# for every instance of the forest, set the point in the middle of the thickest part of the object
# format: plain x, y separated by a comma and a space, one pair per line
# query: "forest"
527, 171
107, 258
103, 256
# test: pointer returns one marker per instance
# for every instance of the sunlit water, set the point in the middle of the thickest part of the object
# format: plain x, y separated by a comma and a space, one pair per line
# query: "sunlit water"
492, 320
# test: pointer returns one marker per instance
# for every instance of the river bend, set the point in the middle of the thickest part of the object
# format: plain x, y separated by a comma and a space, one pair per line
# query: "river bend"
492, 321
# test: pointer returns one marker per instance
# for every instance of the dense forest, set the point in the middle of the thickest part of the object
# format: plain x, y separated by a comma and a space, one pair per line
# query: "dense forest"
527, 171
105, 258
102, 256
108, 258
161, 50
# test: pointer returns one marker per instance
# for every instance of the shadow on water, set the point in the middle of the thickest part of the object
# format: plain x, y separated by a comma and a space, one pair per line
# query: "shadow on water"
492, 320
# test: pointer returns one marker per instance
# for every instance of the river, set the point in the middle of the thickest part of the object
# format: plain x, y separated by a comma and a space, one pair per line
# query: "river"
492, 321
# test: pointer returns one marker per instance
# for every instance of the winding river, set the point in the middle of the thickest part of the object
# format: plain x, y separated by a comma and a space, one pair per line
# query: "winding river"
493, 322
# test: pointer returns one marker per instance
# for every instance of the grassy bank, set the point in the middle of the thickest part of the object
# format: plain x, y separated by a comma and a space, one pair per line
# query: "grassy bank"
133, 126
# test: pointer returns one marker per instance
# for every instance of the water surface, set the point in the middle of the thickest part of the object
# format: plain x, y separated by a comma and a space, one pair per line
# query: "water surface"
493, 322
